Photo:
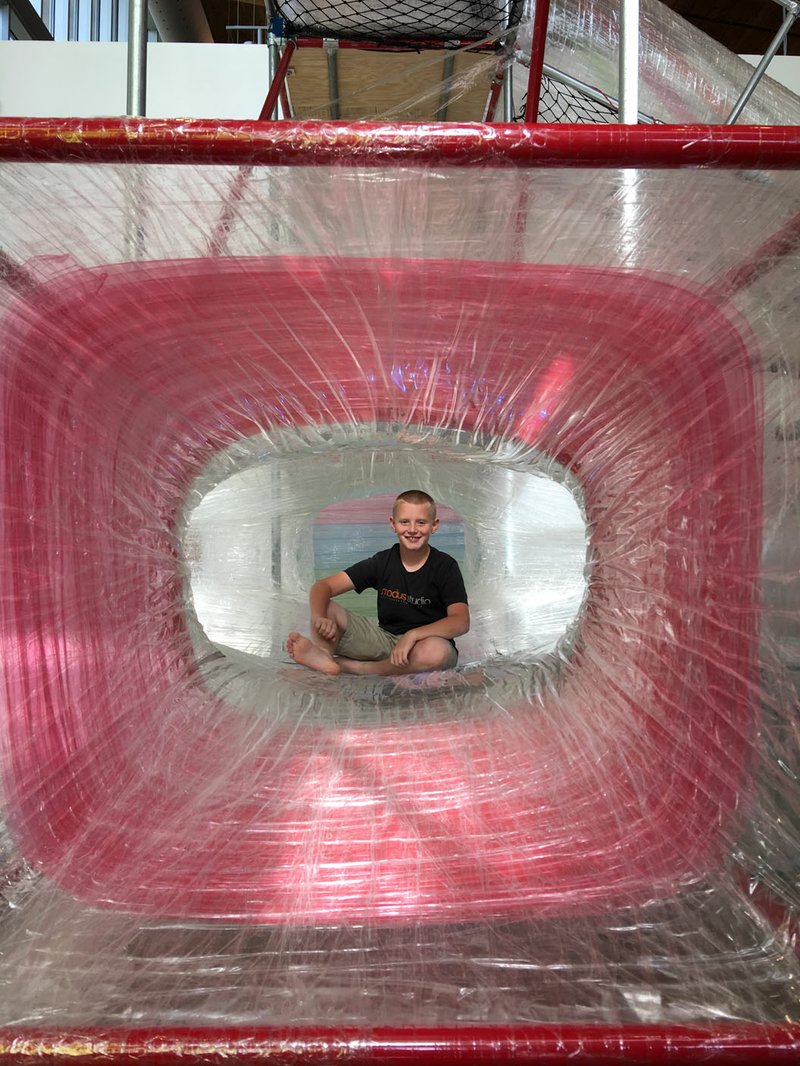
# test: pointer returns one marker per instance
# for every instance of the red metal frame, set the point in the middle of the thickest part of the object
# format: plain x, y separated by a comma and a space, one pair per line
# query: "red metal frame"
15, 275
374, 144
285, 101
278, 87
395, 45
541, 15
494, 92
780, 244
741, 1043
286, 143
217, 244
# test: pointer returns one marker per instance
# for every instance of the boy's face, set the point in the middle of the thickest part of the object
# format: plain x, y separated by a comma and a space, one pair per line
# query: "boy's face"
413, 525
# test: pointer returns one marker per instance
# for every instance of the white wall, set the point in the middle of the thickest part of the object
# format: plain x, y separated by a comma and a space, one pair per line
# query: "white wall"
784, 69
47, 79
43, 79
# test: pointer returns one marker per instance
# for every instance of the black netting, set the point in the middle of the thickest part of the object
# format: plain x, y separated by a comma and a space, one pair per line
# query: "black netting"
559, 102
562, 103
440, 20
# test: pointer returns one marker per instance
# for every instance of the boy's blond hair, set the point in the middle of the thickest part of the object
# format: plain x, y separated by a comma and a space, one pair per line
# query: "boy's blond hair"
415, 496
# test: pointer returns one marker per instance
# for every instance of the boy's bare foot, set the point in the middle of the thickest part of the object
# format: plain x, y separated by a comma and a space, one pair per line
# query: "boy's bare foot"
307, 654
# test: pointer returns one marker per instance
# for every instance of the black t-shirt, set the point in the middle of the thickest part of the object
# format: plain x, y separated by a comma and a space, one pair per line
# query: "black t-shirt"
408, 600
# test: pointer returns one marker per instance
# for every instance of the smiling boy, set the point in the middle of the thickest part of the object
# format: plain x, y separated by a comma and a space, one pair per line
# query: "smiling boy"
422, 605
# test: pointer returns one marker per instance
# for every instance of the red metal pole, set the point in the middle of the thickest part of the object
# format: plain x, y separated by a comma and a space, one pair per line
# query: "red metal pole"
397, 45
494, 96
784, 242
740, 1043
15, 275
374, 144
287, 111
217, 243
541, 15
277, 83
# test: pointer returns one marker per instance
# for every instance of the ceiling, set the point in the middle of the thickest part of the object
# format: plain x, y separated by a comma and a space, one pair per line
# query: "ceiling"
743, 26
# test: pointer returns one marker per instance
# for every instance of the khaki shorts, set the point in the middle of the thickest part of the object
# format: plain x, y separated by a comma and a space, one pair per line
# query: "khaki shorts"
366, 641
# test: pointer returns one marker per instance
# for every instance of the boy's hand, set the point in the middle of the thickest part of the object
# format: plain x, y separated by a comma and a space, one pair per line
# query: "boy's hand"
325, 627
402, 649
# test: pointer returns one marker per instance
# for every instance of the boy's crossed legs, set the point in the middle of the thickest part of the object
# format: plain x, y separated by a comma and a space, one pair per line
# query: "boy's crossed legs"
368, 646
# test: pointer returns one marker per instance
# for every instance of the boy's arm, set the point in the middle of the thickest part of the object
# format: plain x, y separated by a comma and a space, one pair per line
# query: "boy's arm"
455, 624
321, 594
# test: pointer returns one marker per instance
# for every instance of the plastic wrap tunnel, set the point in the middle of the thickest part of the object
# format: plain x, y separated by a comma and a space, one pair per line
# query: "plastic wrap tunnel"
192, 851
581, 842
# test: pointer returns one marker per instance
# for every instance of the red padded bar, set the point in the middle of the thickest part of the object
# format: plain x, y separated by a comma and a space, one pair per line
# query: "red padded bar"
407, 144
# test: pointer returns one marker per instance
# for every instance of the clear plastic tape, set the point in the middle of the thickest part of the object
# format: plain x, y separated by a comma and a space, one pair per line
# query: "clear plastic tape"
593, 820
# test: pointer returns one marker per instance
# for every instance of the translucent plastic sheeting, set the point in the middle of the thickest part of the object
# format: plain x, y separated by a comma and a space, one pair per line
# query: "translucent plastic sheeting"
214, 381
684, 76
227, 853
593, 819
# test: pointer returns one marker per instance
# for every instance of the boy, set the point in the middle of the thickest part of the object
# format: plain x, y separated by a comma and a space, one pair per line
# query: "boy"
422, 605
